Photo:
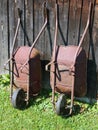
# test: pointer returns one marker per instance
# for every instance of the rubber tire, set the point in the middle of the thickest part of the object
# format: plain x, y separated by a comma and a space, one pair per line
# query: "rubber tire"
60, 104
18, 99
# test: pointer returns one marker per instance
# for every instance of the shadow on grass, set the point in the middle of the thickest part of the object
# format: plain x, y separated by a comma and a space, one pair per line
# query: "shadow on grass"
44, 94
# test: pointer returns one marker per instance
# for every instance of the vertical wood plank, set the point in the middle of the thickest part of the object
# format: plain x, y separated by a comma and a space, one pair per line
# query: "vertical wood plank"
33, 20
11, 22
38, 23
20, 38
3, 34
95, 35
29, 21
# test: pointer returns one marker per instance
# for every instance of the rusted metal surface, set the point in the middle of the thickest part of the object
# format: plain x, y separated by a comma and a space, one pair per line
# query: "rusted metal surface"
31, 70
72, 57
64, 76
68, 65
96, 1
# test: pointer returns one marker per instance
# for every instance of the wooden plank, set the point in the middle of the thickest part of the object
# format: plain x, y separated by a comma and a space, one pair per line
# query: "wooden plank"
74, 21
95, 36
29, 21
33, 19
63, 21
49, 32
13, 19
33, 16
11, 22
3, 34
20, 38
38, 23
83, 24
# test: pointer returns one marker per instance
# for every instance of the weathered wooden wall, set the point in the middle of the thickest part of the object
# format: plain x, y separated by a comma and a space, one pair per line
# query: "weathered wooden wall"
33, 19
3, 34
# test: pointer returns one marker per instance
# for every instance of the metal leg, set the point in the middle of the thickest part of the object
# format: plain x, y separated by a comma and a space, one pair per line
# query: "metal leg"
28, 86
53, 85
11, 78
53, 98
72, 94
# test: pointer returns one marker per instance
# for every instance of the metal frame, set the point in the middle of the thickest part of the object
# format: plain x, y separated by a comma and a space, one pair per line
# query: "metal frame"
53, 61
12, 60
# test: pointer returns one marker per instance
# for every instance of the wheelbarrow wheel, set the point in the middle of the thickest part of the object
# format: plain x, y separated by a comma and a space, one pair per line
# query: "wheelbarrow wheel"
18, 99
60, 104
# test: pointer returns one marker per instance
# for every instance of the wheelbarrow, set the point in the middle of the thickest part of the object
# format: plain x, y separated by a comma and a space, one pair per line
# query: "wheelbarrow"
68, 71
25, 70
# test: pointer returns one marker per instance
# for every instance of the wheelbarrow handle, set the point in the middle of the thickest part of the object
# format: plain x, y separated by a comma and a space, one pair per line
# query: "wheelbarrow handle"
17, 29
42, 29
84, 33
15, 36
38, 36
7, 63
19, 13
21, 68
70, 69
47, 66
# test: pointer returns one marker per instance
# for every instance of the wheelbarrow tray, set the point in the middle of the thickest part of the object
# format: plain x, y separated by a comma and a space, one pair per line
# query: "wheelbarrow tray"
30, 76
63, 76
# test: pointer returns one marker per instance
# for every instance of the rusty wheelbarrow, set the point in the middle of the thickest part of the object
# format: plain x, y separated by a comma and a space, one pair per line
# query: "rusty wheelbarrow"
68, 71
25, 70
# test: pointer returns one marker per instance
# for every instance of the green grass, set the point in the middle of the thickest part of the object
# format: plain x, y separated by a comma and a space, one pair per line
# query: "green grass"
40, 115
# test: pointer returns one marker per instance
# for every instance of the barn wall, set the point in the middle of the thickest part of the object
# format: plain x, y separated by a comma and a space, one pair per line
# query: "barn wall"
33, 19
95, 35
3, 34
